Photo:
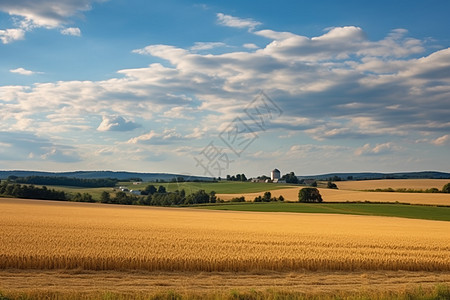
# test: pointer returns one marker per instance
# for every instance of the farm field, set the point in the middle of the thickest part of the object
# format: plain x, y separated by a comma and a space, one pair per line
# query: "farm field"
85, 284
95, 241
354, 191
332, 195
416, 184
189, 187
368, 209
218, 187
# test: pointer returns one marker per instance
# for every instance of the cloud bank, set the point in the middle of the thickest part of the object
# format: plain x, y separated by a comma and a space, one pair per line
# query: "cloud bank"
50, 14
336, 87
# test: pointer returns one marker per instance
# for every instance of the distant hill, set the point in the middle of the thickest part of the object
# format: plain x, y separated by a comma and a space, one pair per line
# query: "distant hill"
104, 174
369, 176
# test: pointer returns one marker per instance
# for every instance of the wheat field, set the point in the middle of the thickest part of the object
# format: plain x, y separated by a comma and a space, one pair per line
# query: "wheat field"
60, 235
354, 191
331, 195
415, 184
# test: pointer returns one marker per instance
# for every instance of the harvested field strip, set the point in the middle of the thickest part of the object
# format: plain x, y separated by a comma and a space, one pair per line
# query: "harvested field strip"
58, 235
331, 195
415, 184
369, 209
217, 285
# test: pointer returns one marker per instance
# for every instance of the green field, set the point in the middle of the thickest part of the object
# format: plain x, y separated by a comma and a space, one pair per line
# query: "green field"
223, 187
226, 187
371, 209
95, 192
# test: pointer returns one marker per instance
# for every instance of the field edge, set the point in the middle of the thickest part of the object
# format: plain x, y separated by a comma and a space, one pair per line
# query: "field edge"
438, 291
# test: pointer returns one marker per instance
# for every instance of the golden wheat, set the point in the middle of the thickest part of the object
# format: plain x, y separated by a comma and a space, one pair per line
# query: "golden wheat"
355, 191
414, 184
54, 235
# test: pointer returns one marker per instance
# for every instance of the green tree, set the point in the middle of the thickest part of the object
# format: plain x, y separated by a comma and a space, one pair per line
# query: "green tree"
290, 178
267, 197
331, 185
105, 197
162, 189
258, 199
150, 189
87, 198
198, 197
238, 199
309, 195
212, 197
446, 188
77, 198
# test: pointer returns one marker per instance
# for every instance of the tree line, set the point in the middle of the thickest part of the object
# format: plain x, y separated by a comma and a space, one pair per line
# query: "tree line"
237, 177
160, 197
65, 181
31, 192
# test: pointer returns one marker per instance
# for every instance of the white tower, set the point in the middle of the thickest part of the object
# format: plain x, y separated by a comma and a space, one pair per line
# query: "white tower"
275, 174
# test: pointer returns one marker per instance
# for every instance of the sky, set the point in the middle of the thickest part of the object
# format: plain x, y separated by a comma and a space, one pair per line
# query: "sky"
225, 87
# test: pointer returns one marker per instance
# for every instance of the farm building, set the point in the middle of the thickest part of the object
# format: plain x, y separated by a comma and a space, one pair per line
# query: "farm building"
275, 175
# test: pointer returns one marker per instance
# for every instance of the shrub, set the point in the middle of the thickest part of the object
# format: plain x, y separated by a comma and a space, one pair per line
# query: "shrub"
238, 199
446, 188
309, 195
331, 185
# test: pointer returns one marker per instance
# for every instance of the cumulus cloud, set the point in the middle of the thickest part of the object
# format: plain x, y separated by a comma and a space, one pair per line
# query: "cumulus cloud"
71, 31
24, 146
116, 123
206, 45
30, 14
23, 71
45, 13
378, 149
230, 21
440, 141
10, 35
168, 136
336, 86
250, 46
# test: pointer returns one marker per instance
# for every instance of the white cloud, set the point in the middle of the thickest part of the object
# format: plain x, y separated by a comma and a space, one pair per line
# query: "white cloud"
180, 113
20, 144
30, 14
206, 45
339, 33
71, 31
275, 35
152, 138
250, 46
230, 21
45, 13
378, 149
10, 35
116, 123
440, 141
23, 71
338, 86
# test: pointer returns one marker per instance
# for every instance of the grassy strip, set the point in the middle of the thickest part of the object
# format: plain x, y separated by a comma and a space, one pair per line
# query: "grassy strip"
371, 209
437, 292
223, 187
405, 190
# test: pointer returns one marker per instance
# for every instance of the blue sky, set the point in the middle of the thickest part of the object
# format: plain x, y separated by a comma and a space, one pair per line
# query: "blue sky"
173, 86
